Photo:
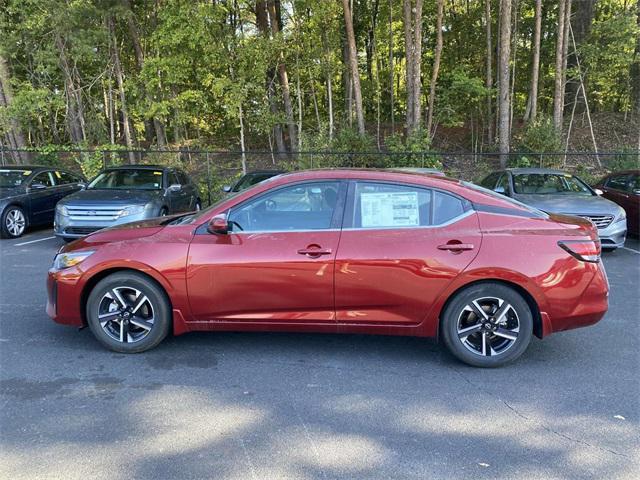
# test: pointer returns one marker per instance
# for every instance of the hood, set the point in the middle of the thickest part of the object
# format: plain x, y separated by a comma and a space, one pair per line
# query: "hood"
570, 204
7, 192
120, 233
97, 197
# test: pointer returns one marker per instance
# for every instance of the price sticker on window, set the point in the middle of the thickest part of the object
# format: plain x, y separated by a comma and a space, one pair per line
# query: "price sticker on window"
390, 209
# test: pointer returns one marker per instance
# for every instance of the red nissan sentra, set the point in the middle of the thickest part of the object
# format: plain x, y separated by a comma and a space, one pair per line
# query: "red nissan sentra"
341, 251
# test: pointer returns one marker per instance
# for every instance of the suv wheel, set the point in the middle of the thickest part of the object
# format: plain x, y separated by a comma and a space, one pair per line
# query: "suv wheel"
487, 325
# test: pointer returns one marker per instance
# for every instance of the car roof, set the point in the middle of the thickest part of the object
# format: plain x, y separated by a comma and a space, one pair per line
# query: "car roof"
368, 174
262, 172
624, 172
539, 171
137, 167
26, 167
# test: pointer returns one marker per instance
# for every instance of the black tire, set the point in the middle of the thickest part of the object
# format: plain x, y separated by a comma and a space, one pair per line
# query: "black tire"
8, 222
488, 330
135, 342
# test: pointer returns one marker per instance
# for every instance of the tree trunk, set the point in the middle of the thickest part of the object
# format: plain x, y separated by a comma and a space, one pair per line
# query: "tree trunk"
152, 126
262, 22
409, 64
504, 100
559, 86
391, 69
126, 125
73, 104
532, 103
329, 74
284, 78
353, 64
488, 82
15, 137
634, 69
581, 27
436, 66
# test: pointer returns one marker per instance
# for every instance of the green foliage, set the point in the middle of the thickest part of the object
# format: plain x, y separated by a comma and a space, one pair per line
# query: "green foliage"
537, 136
409, 151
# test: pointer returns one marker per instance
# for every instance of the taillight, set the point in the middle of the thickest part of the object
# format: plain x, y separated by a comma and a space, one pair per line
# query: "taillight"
583, 250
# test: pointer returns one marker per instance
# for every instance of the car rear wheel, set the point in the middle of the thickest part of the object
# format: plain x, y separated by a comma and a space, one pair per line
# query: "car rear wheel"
128, 312
14, 222
487, 325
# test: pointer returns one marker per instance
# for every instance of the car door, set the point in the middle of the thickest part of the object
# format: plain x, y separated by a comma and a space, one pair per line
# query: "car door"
632, 205
615, 189
43, 195
400, 247
277, 265
190, 190
178, 195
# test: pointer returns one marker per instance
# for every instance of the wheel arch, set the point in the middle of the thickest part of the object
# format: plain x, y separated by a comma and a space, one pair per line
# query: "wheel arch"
533, 305
93, 281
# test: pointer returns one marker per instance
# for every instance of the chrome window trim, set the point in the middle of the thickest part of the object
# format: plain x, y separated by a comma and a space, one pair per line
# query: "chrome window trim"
415, 227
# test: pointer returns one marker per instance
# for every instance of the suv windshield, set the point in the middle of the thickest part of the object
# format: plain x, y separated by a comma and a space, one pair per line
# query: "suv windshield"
13, 178
128, 179
549, 183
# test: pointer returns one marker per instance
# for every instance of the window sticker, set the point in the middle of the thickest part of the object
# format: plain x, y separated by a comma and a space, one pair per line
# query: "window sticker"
391, 209
58, 174
26, 173
157, 173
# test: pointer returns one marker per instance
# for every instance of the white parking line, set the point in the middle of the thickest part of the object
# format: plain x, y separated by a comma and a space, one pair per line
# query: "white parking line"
631, 250
33, 241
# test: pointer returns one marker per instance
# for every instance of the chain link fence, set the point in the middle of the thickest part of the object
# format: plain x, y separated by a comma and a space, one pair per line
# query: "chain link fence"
214, 169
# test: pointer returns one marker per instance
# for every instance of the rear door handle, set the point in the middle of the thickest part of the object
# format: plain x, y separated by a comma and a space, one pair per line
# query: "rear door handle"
314, 252
456, 247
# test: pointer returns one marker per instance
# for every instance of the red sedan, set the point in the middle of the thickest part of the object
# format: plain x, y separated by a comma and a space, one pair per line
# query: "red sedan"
341, 251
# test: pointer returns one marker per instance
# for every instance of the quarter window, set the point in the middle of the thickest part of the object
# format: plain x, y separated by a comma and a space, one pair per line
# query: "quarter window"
308, 206
446, 207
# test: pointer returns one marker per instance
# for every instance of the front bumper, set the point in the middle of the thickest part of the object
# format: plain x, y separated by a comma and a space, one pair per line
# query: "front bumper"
68, 227
64, 297
614, 235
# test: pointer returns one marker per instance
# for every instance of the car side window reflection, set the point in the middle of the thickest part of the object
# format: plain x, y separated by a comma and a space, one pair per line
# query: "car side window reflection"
308, 206
43, 178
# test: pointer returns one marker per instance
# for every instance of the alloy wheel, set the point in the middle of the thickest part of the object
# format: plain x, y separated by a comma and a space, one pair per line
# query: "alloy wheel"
126, 314
488, 326
15, 222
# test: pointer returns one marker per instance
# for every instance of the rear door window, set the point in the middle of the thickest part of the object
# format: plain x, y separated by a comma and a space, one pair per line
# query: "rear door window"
380, 205
618, 182
66, 178
44, 178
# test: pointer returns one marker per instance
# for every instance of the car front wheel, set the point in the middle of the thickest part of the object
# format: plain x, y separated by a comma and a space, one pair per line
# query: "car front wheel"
14, 222
487, 325
128, 312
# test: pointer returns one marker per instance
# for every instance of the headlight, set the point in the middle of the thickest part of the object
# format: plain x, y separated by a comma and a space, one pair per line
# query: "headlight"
622, 215
131, 210
62, 210
66, 260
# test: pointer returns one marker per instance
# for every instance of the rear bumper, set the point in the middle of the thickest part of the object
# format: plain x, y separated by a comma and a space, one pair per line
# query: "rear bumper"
589, 309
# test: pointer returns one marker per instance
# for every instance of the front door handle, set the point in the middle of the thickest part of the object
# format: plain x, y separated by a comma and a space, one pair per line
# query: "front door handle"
456, 247
314, 252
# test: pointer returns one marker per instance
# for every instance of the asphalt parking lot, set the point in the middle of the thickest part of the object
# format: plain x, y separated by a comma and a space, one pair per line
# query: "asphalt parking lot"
263, 406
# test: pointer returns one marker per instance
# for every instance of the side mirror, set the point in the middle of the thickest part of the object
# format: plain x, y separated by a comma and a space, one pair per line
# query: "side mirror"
598, 191
38, 186
82, 185
500, 189
176, 187
218, 225
226, 189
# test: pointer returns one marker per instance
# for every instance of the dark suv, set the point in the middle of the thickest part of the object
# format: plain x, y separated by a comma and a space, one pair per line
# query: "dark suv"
125, 194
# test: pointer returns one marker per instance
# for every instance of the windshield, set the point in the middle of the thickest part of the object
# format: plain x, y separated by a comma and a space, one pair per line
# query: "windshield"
550, 184
252, 179
128, 179
13, 178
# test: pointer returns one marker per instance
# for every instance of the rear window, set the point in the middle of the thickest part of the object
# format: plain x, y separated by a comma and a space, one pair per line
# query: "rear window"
513, 202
